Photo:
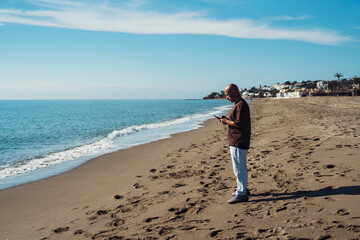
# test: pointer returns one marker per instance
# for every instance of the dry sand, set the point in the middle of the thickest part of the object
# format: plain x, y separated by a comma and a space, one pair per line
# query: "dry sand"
303, 177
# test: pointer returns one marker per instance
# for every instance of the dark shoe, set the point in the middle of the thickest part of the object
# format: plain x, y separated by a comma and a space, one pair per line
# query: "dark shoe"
238, 198
247, 192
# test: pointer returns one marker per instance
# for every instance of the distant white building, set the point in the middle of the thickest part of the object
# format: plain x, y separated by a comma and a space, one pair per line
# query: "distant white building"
321, 85
247, 94
271, 88
296, 94
281, 86
267, 94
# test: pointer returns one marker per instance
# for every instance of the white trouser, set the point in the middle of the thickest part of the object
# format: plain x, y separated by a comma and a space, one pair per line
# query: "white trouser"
238, 157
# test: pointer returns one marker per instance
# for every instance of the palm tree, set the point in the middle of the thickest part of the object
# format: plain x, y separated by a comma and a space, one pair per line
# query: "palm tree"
338, 75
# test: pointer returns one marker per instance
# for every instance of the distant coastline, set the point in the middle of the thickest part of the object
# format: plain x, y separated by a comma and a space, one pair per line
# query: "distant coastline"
216, 95
340, 87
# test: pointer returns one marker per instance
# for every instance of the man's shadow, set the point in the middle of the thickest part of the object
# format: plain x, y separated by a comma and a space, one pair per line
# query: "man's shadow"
328, 191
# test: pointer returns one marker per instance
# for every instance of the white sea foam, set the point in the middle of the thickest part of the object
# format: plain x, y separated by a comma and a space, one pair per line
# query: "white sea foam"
134, 129
58, 157
106, 144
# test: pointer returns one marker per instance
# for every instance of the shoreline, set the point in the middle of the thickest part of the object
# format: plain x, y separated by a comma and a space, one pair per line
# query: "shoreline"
59, 162
46, 191
206, 122
303, 177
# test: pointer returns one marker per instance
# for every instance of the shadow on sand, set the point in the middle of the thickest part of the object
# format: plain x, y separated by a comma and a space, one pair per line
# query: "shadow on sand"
328, 191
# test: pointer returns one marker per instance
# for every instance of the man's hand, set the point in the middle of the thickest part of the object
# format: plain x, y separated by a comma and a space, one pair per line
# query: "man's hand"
224, 120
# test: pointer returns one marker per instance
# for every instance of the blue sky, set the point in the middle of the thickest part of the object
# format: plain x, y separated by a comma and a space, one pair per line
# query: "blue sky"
110, 49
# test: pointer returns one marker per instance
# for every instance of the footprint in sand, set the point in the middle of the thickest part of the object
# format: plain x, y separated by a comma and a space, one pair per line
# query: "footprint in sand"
118, 197
102, 212
75, 220
324, 237
150, 219
115, 223
78, 232
329, 166
187, 228
281, 209
266, 151
182, 211
342, 212
138, 185
177, 185
329, 199
92, 218
61, 229
165, 230
215, 233
353, 228
163, 192
173, 209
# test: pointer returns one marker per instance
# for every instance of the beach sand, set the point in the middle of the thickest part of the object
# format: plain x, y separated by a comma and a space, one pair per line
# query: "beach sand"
304, 177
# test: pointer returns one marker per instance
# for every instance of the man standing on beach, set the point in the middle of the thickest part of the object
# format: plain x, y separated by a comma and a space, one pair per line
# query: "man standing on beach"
239, 132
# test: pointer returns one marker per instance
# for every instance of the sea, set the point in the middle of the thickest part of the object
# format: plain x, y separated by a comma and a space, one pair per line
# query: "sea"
43, 138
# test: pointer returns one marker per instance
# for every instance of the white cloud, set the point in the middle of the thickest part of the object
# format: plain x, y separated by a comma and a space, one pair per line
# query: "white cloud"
129, 19
288, 18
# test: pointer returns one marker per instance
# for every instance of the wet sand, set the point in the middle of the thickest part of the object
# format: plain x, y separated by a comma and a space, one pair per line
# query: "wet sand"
304, 178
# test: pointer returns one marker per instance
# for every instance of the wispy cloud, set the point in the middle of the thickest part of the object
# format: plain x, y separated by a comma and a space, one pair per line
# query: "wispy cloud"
132, 18
288, 18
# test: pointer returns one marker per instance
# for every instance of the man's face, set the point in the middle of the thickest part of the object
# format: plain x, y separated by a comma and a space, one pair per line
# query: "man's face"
228, 95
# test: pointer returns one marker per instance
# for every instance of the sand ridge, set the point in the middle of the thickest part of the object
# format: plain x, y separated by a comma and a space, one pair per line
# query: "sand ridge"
303, 176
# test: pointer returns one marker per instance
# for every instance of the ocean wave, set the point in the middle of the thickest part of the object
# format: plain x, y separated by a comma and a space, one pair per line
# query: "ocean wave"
102, 146
133, 129
57, 157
